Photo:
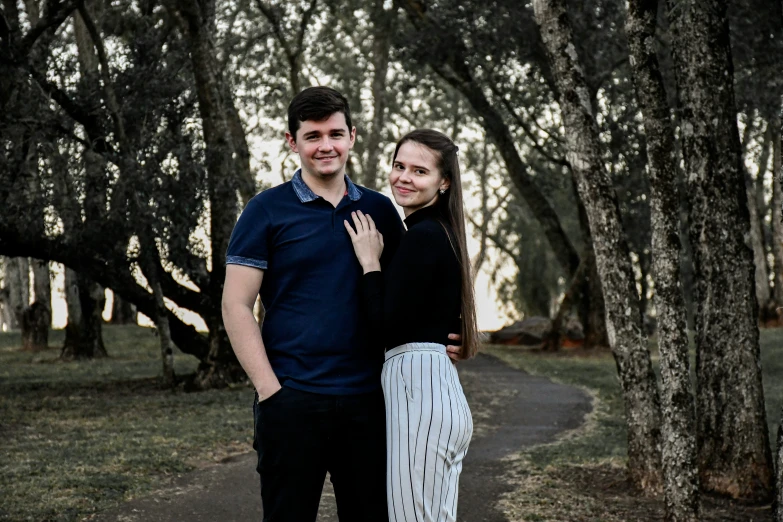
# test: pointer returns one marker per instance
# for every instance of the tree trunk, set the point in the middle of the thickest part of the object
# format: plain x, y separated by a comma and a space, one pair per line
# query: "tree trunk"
6, 316
384, 23
763, 210
17, 275
763, 290
71, 290
161, 315
42, 285
10, 279
220, 367
164, 335
777, 209
595, 328
35, 327
37, 318
590, 299
553, 341
84, 334
678, 447
686, 250
594, 185
24, 283
778, 503
763, 294
645, 264
122, 311
733, 441
84, 339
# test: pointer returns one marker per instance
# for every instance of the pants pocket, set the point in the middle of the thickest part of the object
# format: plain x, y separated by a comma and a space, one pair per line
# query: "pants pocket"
405, 375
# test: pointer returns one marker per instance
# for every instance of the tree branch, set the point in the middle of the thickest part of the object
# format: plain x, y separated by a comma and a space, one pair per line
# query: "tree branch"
56, 14
81, 258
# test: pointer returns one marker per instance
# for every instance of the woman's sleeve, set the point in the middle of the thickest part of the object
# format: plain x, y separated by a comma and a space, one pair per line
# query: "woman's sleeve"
372, 304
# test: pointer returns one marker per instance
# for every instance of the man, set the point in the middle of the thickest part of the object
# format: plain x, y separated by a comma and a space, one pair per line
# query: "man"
319, 405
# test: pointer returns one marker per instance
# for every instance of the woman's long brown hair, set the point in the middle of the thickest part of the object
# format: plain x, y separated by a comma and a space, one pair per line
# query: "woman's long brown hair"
451, 205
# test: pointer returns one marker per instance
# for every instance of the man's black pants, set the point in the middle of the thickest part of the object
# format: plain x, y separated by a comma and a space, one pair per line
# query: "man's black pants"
299, 436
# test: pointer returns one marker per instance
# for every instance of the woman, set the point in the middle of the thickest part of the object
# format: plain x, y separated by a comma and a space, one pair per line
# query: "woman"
425, 293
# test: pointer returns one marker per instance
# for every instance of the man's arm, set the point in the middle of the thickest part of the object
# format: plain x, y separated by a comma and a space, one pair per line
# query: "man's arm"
239, 296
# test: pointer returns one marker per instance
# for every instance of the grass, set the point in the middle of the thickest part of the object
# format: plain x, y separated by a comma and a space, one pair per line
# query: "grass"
582, 476
79, 437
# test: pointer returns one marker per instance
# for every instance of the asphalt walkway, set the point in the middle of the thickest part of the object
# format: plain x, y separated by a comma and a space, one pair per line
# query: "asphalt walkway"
511, 410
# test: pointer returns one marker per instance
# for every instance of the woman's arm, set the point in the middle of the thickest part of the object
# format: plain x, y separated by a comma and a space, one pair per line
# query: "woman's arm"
368, 245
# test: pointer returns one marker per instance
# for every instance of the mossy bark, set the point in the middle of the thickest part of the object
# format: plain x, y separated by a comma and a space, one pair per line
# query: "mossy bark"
733, 442
595, 189
678, 446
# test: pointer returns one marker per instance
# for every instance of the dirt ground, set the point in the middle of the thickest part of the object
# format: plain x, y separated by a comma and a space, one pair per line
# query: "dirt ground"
601, 493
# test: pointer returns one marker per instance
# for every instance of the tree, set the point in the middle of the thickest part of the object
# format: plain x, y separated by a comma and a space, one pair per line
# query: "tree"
733, 443
678, 441
84, 335
42, 286
624, 322
122, 311
384, 21
757, 242
100, 246
17, 282
37, 318
778, 501
776, 206
437, 41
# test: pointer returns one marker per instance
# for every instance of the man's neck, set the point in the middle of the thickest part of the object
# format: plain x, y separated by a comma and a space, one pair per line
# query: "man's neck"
331, 188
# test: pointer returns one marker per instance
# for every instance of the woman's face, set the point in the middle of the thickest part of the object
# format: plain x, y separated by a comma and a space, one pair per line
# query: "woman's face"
415, 178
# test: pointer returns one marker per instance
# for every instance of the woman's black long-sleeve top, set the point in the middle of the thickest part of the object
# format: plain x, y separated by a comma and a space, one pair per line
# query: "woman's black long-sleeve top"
418, 297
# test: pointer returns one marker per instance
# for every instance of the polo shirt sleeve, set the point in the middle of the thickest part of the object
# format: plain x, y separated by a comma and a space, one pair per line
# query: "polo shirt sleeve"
249, 243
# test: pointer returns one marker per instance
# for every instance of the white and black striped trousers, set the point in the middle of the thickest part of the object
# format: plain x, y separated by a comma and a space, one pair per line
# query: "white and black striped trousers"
428, 429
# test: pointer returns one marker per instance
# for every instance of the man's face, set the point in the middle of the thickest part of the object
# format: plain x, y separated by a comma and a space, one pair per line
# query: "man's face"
323, 146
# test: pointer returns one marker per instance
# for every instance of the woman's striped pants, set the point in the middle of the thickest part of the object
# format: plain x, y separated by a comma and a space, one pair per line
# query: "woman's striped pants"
428, 429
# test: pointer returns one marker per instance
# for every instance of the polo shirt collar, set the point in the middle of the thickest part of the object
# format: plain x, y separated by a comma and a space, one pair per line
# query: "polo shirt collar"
306, 195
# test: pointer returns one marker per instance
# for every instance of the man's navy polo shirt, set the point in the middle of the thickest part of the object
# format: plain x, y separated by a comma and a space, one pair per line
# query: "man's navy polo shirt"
313, 330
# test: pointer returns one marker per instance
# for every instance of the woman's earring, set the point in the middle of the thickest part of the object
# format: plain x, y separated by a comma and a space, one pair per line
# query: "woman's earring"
442, 191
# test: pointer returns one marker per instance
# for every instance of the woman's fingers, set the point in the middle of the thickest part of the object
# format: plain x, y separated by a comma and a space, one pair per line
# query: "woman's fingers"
365, 222
364, 229
350, 229
357, 222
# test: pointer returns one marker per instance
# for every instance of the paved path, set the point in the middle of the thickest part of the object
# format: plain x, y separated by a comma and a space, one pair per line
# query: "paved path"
511, 410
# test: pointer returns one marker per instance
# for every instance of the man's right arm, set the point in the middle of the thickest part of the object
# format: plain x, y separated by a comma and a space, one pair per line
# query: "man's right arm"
239, 296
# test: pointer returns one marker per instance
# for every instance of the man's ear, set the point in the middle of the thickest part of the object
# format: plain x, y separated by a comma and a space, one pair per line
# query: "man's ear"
291, 140
353, 136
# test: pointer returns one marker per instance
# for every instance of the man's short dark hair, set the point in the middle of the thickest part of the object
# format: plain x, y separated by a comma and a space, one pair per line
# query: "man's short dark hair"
316, 104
